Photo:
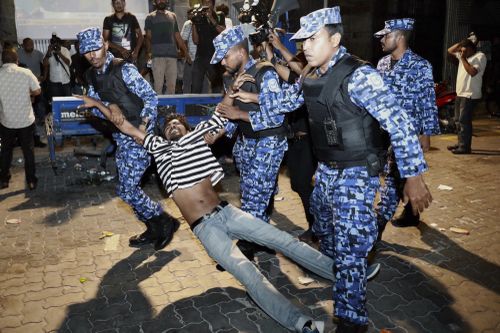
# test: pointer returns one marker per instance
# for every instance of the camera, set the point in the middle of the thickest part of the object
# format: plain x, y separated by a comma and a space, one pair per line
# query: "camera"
260, 35
245, 15
199, 14
55, 43
266, 16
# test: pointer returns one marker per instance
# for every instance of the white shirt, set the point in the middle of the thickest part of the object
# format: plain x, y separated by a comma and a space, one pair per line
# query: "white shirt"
187, 35
470, 86
16, 84
57, 73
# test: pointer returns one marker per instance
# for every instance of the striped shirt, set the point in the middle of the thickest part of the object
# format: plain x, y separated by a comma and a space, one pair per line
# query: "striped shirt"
184, 163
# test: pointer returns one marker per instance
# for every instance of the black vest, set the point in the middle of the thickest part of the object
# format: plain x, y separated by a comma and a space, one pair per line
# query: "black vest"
257, 71
359, 138
111, 88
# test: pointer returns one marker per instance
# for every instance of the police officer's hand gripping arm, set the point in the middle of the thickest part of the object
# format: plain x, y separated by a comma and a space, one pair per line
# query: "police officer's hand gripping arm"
368, 90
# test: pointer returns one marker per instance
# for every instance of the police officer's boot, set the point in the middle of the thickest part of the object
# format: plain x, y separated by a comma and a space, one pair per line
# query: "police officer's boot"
406, 219
147, 237
164, 226
346, 326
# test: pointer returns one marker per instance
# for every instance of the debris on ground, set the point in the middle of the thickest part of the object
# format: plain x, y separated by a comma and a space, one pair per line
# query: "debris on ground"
445, 187
461, 231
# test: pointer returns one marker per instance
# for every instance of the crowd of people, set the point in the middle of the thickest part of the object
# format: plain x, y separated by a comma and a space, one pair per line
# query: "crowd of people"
343, 125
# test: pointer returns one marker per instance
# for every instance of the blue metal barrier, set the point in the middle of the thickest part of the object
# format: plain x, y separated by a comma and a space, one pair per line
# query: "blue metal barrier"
66, 121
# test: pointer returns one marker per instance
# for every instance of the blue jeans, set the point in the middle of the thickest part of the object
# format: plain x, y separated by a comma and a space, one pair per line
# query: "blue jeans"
464, 108
216, 233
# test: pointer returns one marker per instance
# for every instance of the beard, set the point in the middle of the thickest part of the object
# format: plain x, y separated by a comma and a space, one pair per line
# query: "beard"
161, 6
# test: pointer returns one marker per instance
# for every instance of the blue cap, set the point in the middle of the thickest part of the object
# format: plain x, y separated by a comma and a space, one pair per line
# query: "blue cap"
395, 24
313, 22
226, 40
90, 39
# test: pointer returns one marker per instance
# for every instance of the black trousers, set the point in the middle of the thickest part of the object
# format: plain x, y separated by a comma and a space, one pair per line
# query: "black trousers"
25, 137
58, 89
302, 165
202, 67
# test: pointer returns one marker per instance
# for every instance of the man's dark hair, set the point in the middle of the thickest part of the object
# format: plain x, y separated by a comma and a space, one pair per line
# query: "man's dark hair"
223, 8
180, 118
334, 28
27, 39
407, 34
243, 44
467, 43
9, 56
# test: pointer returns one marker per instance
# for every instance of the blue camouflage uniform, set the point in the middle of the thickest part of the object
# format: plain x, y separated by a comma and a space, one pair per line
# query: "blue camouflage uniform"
132, 159
411, 81
258, 159
342, 200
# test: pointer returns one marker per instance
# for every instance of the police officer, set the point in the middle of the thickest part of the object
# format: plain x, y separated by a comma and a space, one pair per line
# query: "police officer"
409, 77
348, 102
114, 81
261, 143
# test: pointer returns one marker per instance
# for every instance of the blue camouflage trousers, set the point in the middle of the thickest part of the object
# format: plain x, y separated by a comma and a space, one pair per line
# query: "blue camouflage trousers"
258, 161
391, 192
342, 204
132, 160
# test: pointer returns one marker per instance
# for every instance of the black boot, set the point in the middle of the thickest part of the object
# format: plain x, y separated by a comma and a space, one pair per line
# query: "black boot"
147, 237
346, 326
165, 226
407, 219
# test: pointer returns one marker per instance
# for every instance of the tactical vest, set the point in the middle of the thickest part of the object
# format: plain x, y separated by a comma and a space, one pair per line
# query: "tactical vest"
257, 71
111, 88
359, 140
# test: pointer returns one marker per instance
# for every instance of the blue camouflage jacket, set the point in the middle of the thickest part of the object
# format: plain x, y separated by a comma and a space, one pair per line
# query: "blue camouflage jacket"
411, 81
137, 85
367, 90
268, 117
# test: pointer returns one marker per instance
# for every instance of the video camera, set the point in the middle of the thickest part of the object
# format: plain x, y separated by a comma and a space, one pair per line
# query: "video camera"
199, 14
55, 43
266, 19
245, 15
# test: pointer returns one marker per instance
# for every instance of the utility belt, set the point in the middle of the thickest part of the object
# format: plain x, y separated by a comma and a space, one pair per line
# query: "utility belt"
217, 209
373, 163
278, 131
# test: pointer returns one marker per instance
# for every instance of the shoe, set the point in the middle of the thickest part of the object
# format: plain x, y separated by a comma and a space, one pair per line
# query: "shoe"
407, 219
346, 326
308, 237
39, 143
452, 147
314, 327
165, 227
372, 271
32, 185
460, 151
147, 237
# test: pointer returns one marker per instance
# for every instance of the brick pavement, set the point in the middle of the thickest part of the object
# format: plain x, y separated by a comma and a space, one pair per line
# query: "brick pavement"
56, 274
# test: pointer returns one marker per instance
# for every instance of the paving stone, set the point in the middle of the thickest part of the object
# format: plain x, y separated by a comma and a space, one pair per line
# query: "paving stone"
431, 281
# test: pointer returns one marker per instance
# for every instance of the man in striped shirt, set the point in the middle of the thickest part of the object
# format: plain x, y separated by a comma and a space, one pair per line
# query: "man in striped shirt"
189, 171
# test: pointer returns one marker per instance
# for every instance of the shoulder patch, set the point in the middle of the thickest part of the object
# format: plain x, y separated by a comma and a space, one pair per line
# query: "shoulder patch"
274, 86
375, 80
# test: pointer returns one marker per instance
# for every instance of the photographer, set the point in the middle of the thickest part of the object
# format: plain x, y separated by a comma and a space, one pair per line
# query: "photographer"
208, 24
56, 68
